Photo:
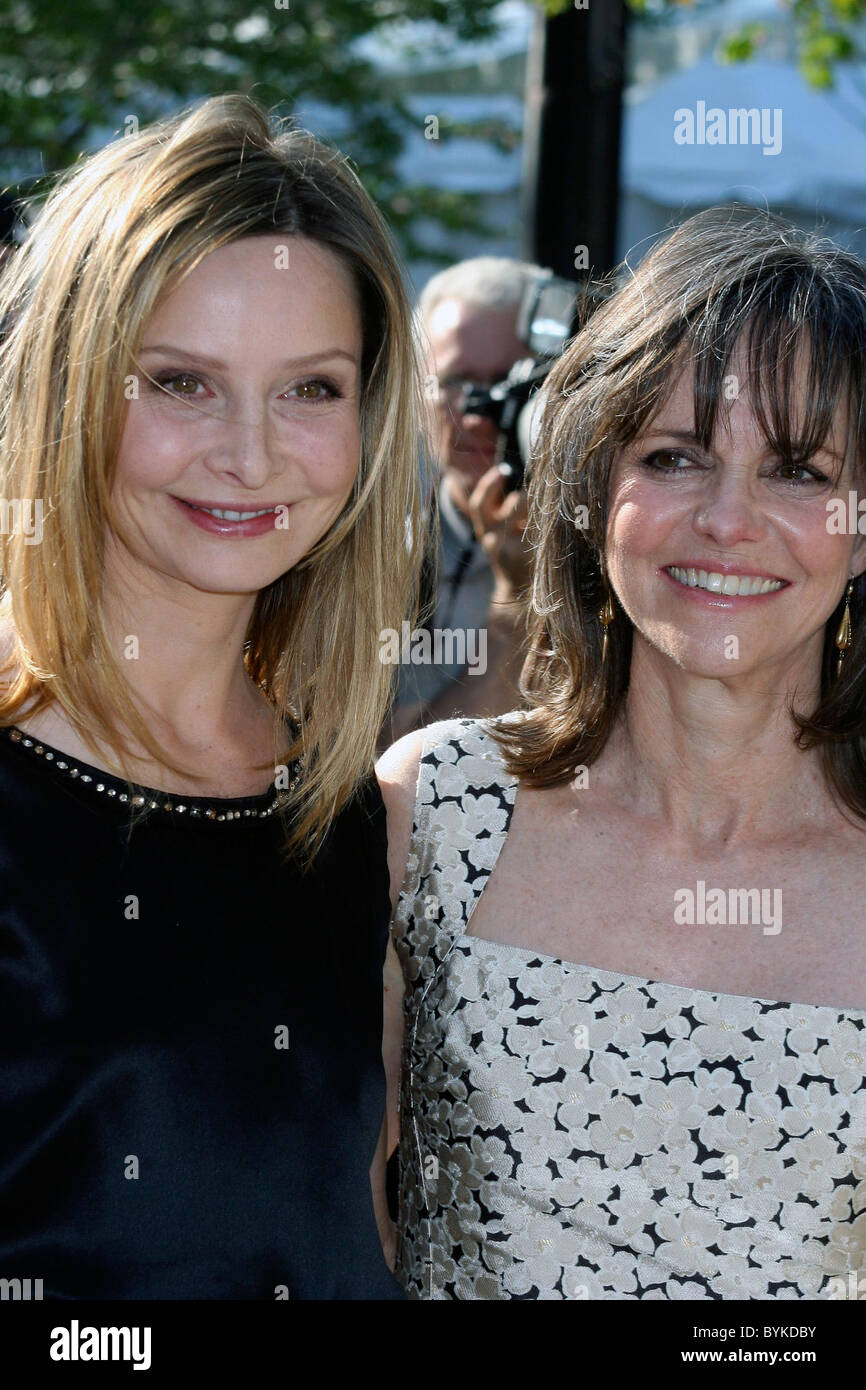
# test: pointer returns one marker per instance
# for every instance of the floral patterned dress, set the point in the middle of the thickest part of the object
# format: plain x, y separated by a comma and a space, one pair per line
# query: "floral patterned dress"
569, 1132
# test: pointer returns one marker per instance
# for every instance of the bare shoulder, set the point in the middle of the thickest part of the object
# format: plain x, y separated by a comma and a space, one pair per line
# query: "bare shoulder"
397, 771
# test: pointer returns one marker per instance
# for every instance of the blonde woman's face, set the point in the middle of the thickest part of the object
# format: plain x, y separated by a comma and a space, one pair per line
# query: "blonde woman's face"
723, 558
243, 448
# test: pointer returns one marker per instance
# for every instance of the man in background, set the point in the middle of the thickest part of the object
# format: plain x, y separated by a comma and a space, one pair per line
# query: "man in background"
468, 317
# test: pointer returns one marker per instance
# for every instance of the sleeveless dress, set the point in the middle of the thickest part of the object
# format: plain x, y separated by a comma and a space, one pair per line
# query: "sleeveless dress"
191, 1079
570, 1132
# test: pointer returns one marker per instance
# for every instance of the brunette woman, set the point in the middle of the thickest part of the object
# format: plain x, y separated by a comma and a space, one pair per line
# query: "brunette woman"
631, 919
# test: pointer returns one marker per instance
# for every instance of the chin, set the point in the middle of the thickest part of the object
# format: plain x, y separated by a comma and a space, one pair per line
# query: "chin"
710, 666
690, 657
244, 580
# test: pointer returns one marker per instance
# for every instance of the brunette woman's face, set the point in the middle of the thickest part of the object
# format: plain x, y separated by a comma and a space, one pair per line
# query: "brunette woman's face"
243, 448
724, 559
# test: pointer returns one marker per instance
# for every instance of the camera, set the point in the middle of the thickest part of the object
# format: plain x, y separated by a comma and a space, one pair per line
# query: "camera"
545, 322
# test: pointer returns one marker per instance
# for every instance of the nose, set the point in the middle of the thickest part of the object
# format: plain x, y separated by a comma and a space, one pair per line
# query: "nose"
728, 513
247, 448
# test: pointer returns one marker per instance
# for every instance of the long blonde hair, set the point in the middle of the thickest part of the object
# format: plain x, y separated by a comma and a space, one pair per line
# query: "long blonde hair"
119, 232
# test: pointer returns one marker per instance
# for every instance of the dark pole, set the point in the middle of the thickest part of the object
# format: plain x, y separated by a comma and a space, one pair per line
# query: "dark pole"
573, 120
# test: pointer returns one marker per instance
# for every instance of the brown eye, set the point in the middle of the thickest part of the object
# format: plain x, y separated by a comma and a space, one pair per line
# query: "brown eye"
800, 473
182, 385
665, 460
315, 390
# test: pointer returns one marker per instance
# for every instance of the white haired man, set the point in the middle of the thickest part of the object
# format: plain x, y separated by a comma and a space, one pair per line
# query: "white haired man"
468, 316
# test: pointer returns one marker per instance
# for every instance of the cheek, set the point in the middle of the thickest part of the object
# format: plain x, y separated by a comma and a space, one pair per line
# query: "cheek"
149, 450
332, 462
818, 550
639, 519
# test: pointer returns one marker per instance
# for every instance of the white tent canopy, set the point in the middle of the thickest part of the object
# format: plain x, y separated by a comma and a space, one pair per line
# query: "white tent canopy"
820, 170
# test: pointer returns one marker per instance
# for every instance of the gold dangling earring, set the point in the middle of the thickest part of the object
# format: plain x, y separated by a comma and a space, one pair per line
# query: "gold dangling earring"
606, 617
843, 636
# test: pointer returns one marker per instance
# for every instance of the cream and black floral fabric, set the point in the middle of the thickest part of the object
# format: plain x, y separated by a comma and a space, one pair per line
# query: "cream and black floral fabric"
569, 1132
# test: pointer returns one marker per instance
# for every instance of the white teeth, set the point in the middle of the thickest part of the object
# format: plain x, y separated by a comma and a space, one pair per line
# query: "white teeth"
223, 515
731, 585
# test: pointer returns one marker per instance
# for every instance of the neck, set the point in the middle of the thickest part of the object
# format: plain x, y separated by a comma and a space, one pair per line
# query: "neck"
713, 762
181, 651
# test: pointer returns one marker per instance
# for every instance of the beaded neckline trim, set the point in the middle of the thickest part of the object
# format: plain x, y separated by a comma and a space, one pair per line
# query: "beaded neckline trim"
154, 801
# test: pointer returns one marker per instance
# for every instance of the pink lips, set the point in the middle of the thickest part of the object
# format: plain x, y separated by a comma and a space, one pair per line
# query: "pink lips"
216, 526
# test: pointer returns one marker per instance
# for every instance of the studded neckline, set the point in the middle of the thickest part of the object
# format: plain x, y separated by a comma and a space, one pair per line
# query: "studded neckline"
146, 798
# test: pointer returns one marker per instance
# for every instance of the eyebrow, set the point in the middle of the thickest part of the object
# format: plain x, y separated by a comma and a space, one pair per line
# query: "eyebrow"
308, 360
690, 437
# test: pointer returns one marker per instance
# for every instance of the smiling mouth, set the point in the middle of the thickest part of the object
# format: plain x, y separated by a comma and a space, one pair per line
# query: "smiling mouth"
225, 514
731, 585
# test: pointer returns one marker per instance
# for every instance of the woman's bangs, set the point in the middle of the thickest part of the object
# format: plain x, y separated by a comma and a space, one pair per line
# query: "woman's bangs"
792, 347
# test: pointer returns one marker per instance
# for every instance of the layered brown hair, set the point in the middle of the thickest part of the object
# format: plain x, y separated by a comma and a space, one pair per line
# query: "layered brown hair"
728, 279
118, 232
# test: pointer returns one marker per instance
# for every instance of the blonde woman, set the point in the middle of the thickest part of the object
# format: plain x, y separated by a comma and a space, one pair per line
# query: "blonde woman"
631, 921
209, 407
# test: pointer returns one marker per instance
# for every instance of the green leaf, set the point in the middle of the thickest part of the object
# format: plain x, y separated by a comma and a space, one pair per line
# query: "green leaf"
848, 10
72, 73
816, 74
736, 48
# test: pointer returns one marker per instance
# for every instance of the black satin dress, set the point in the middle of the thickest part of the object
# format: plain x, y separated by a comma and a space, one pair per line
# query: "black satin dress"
191, 1085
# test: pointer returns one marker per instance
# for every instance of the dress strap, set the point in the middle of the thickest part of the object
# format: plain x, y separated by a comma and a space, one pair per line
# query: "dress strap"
463, 804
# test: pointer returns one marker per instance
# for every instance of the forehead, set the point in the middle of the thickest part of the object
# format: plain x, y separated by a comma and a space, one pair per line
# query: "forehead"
748, 401
269, 271
473, 337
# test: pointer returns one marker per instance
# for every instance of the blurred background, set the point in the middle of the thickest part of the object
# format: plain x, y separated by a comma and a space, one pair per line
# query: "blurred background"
545, 131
